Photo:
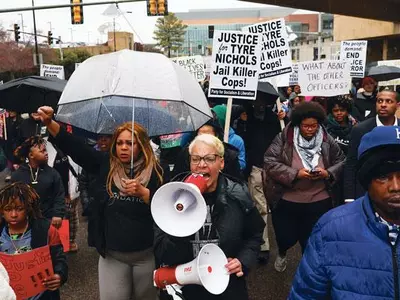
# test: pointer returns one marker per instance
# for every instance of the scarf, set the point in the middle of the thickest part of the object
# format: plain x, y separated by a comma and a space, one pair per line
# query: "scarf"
143, 177
309, 151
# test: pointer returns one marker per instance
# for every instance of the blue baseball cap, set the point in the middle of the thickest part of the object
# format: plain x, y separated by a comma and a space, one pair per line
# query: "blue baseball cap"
379, 137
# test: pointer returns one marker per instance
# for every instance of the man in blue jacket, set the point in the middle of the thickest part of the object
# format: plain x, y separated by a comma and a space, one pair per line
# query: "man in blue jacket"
353, 252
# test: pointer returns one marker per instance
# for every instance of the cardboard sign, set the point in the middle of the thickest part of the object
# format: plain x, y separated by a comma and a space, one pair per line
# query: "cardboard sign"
324, 78
52, 71
235, 66
63, 232
193, 64
355, 52
275, 53
27, 271
289, 79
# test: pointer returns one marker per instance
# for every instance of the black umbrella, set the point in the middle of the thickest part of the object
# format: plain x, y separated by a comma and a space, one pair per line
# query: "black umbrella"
267, 88
26, 95
383, 73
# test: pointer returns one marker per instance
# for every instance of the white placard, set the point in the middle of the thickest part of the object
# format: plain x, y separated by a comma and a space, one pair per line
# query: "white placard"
355, 52
275, 53
52, 71
193, 64
324, 78
392, 63
289, 79
235, 65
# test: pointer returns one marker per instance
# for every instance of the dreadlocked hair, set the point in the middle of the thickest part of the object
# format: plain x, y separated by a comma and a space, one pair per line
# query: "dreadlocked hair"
25, 193
143, 141
22, 151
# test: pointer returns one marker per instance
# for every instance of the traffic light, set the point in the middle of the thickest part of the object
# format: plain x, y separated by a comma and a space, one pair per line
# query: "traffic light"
157, 7
49, 38
76, 12
17, 32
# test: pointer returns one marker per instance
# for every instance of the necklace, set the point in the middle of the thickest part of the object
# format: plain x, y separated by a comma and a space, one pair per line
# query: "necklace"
34, 178
17, 251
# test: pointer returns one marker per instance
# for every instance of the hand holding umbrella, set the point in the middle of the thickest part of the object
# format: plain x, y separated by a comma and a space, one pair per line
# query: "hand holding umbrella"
132, 187
45, 115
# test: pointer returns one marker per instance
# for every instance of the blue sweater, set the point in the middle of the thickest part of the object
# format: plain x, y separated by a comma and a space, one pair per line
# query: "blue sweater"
348, 256
238, 142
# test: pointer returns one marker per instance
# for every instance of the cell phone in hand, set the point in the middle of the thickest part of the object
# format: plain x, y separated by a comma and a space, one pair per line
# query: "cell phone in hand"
315, 172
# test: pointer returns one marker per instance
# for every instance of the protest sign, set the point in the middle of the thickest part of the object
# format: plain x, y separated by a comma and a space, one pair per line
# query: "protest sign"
289, 79
324, 78
275, 53
193, 64
391, 63
52, 71
63, 232
355, 52
235, 66
27, 271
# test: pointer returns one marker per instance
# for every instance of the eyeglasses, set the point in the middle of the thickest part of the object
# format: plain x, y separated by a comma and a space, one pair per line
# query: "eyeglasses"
309, 127
209, 159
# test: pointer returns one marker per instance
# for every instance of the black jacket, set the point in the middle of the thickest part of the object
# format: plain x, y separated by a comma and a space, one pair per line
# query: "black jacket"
240, 229
363, 104
42, 235
49, 187
132, 215
352, 188
339, 133
231, 159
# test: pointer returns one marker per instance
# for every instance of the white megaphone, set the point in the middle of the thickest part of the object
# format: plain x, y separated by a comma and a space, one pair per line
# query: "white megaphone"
178, 208
208, 270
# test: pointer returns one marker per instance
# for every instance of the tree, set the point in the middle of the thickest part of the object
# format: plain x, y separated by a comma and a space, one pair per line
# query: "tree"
170, 33
71, 57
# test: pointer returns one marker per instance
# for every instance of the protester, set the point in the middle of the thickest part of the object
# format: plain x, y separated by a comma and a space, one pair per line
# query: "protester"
264, 125
23, 229
353, 251
232, 222
339, 121
45, 180
386, 106
234, 139
231, 161
126, 262
301, 168
297, 89
294, 100
6, 292
239, 123
364, 105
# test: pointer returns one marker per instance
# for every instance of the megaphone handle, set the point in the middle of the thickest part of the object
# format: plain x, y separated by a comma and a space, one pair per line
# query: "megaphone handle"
175, 291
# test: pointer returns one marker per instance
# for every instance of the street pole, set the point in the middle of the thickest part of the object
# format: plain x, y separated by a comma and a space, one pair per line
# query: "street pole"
319, 35
22, 26
115, 42
35, 33
61, 50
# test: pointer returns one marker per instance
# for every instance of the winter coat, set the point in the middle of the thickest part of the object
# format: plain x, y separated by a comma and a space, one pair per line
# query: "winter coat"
232, 167
43, 233
239, 226
278, 173
49, 187
238, 143
349, 256
134, 212
364, 104
340, 134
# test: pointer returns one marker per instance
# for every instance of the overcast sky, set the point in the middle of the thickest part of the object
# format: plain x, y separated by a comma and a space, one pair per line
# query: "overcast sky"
60, 19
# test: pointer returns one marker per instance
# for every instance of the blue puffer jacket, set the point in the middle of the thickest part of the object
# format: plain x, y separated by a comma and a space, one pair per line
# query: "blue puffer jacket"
348, 256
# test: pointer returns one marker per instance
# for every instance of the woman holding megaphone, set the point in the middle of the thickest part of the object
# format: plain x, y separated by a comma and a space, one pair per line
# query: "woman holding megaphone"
233, 223
122, 222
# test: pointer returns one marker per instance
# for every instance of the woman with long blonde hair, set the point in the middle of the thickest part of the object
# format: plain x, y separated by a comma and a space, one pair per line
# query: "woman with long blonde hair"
123, 225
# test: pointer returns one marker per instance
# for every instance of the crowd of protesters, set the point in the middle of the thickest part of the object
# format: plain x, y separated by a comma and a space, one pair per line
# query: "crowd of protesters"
332, 151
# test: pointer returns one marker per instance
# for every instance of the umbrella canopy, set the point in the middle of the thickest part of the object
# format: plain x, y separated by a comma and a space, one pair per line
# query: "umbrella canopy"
26, 95
267, 88
383, 73
108, 90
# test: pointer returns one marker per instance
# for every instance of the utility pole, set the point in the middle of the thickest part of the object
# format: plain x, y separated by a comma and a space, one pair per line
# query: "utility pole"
115, 41
319, 35
35, 33
22, 26
61, 50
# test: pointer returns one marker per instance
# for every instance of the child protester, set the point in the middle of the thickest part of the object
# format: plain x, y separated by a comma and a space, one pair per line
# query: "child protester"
23, 229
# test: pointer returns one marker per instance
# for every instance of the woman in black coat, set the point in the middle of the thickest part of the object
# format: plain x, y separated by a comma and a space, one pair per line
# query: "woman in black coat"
123, 225
232, 222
